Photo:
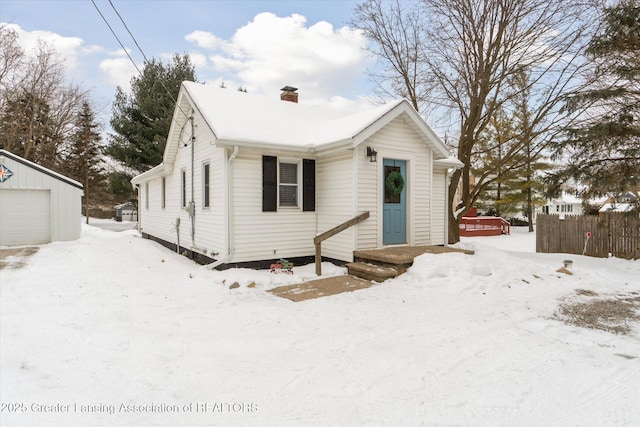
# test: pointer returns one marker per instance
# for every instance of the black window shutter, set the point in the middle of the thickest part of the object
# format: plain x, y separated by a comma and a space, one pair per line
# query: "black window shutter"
269, 184
308, 185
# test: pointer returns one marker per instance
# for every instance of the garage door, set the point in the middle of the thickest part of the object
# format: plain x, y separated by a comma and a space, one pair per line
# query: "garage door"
25, 217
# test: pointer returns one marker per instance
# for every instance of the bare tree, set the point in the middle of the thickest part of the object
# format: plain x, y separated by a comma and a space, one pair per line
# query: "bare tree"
38, 106
397, 33
470, 50
11, 54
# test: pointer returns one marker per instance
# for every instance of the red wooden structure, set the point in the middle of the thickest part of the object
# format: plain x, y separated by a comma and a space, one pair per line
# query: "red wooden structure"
484, 226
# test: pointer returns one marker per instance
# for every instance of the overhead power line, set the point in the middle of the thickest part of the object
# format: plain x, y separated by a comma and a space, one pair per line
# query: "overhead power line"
128, 31
116, 36
146, 60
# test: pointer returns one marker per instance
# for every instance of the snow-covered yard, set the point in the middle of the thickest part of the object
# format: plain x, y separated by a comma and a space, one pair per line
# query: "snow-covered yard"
116, 330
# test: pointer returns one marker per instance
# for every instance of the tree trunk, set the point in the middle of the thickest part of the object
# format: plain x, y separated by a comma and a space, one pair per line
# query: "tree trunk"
454, 229
86, 197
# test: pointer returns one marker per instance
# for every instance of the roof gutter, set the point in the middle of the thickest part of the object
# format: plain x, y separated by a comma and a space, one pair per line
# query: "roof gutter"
449, 162
227, 143
151, 173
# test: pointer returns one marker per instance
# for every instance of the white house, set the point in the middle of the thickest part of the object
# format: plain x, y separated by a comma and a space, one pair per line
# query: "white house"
37, 205
566, 204
626, 202
248, 178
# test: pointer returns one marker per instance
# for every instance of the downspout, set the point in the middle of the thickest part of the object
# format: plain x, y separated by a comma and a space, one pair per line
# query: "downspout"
229, 215
229, 201
192, 203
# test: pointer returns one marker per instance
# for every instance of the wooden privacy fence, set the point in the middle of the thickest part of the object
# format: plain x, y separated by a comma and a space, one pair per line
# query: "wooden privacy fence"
614, 234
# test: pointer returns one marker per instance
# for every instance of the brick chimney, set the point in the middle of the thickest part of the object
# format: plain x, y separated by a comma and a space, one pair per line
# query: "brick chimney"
289, 94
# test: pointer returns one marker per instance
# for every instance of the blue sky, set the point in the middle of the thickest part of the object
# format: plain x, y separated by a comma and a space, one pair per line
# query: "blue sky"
260, 45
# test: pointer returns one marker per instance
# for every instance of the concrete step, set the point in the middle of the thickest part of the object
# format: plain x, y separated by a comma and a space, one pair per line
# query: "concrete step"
371, 272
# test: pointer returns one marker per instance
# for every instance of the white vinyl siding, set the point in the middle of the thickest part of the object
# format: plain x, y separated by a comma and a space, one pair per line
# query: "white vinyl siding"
335, 205
210, 224
439, 219
259, 235
398, 140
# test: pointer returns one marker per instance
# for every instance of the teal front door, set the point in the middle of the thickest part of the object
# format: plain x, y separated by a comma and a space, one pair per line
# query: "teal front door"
394, 211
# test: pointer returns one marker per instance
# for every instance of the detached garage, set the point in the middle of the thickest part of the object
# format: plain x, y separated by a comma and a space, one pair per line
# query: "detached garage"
37, 205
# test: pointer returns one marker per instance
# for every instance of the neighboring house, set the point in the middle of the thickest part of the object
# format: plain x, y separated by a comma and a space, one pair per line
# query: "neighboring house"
566, 204
247, 178
126, 212
37, 205
626, 202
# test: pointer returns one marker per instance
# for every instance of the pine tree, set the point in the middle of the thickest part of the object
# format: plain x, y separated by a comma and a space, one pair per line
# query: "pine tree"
84, 158
491, 163
532, 138
510, 158
604, 150
141, 120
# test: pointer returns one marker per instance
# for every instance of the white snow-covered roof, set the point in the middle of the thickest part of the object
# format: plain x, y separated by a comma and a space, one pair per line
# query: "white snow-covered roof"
246, 117
617, 207
239, 118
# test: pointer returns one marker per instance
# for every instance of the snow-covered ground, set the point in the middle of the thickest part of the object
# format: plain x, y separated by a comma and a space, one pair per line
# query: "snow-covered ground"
116, 330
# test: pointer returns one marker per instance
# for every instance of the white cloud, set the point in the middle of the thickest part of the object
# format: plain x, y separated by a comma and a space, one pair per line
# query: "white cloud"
204, 39
68, 48
118, 71
271, 52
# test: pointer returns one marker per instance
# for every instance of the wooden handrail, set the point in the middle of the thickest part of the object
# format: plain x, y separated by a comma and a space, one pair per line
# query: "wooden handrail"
332, 232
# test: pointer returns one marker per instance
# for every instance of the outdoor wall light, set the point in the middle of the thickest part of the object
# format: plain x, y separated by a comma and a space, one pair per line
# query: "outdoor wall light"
372, 153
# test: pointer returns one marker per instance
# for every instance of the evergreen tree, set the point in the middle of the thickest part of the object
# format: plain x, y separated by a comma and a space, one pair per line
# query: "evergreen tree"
532, 134
510, 159
491, 163
603, 152
84, 158
141, 120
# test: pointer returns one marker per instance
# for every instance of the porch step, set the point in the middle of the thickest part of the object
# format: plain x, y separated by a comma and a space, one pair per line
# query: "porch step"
371, 272
390, 262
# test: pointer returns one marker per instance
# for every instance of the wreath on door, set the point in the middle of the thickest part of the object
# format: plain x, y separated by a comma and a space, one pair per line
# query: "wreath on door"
394, 184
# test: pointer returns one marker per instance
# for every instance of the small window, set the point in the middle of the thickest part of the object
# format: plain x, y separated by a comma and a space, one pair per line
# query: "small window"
183, 188
164, 192
288, 185
205, 189
146, 195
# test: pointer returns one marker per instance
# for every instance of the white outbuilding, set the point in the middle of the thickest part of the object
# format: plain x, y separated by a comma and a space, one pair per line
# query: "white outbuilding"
37, 205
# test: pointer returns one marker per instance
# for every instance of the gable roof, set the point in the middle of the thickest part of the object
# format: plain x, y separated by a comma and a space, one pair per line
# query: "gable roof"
250, 120
42, 169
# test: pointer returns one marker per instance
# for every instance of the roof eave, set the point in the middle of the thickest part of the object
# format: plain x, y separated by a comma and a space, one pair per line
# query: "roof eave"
265, 146
148, 175
449, 162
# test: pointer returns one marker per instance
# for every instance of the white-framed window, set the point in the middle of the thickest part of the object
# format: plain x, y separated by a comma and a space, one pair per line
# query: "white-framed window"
146, 195
288, 183
206, 185
183, 188
164, 192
